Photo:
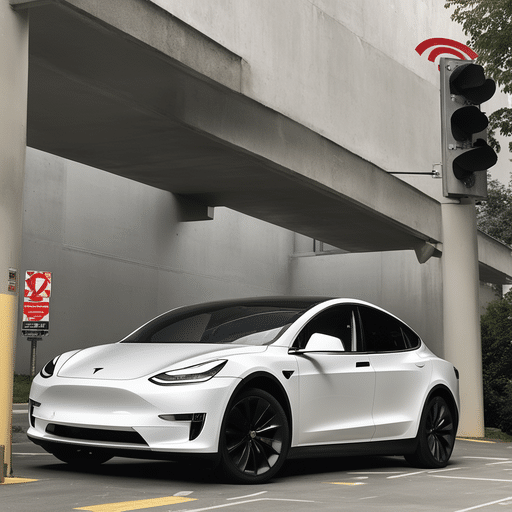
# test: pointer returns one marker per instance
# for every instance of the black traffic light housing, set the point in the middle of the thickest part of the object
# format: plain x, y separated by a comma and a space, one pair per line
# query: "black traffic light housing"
466, 154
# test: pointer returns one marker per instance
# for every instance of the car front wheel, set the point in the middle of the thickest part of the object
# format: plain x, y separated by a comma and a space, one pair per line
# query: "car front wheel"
255, 437
436, 435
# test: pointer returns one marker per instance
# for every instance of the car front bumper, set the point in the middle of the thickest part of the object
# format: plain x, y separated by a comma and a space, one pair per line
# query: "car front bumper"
134, 415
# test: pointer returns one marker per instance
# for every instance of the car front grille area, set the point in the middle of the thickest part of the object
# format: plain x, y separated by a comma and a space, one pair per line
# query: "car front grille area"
94, 434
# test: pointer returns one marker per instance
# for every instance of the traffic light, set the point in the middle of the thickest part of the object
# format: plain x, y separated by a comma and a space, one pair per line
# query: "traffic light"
466, 154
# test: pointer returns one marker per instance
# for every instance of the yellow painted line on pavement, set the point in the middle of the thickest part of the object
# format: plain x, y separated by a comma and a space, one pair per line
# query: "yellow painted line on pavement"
13, 480
475, 440
125, 506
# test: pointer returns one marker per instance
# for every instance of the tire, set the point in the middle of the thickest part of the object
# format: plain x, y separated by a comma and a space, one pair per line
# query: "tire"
81, 457
436, 435
254, 438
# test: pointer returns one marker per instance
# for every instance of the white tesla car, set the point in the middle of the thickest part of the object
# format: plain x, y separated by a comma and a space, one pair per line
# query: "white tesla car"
248, 384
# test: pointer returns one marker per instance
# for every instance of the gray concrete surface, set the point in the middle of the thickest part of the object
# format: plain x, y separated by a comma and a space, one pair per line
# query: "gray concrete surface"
479, 477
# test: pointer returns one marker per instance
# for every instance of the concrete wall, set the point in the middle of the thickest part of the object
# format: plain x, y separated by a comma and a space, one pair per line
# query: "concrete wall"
119, 256
348, 69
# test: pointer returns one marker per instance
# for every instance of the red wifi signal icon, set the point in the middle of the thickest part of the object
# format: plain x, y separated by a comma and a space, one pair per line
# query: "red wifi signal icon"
442, 45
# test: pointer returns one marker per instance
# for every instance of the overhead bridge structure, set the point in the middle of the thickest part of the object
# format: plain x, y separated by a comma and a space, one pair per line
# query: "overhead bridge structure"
165, 106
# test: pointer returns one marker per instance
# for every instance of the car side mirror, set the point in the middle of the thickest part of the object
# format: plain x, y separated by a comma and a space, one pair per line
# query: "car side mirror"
322, 343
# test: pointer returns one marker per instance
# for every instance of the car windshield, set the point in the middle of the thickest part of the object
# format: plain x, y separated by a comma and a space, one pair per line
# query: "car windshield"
232, 322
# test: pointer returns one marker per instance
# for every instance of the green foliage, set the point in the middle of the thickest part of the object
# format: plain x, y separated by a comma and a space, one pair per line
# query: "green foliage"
497, 435
494, 215
500, 120
488, 23
496, 326
21, 388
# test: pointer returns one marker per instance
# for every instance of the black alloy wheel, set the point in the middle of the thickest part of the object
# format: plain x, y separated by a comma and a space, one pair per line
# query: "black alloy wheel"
436, 435
255, 438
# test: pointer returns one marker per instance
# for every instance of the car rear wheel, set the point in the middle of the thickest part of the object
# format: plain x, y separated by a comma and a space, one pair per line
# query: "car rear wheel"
255, 438
436, 435
81, 457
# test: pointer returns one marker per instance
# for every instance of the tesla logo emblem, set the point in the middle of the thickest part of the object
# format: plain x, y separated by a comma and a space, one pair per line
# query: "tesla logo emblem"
96, 370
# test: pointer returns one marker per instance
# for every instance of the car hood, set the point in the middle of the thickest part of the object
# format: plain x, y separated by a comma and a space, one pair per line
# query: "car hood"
131, 361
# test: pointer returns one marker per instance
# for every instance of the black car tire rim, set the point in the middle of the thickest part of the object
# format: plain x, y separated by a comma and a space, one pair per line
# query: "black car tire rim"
440, 430
256, 436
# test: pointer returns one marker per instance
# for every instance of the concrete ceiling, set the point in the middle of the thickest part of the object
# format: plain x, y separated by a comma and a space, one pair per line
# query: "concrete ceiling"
138, 93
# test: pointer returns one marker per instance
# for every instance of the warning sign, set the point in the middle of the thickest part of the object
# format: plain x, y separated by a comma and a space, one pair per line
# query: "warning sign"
36, 303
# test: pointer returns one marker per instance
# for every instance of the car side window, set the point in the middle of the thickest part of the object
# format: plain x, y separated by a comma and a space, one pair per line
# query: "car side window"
384, 333
337, 321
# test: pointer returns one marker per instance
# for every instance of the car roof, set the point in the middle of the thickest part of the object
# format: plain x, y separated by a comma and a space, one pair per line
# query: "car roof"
277, 301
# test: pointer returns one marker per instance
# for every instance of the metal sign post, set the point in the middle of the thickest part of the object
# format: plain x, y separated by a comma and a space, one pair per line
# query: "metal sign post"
33, 350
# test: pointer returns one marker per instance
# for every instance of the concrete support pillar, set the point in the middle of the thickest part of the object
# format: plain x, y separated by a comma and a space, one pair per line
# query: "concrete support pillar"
461, 311
13, 119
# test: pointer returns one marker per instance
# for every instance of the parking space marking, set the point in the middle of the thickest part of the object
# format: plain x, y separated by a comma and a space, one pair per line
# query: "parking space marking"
14, 480
374, 472
345, 483
407, 474
32, 454
484, 505
443, 470
125, 506
472, 478
224, 505
486, 458
248, 496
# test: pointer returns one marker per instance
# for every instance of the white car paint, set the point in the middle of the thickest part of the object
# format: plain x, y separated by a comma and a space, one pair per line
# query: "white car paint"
99, 398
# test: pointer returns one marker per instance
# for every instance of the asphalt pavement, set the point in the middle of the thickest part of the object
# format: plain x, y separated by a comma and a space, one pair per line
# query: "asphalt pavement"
479, 477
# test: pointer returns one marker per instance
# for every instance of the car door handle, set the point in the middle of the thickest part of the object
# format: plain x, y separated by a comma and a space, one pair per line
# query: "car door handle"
420, 365
360, 364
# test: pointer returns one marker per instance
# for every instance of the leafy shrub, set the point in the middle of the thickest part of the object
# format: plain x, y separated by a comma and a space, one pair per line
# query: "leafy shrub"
496, 326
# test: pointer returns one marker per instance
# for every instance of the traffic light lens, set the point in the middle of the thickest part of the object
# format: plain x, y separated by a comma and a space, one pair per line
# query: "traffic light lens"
469, 81
466, 121
478, 159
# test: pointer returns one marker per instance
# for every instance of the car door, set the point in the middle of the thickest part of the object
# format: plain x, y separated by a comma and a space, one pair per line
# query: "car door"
401, 374
336, 388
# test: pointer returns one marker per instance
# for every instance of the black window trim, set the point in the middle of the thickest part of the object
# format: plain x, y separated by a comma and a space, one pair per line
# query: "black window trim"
359, 331
363, 341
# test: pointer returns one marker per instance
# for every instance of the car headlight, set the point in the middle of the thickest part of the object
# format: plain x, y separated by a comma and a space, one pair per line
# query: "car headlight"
49, 368
198, 373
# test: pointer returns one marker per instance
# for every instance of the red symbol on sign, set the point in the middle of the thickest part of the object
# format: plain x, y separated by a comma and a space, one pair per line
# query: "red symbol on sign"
446, 46
38, 284
36, 312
